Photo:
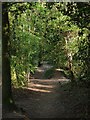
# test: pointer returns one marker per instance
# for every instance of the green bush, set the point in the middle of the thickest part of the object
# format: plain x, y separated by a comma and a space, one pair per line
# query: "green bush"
49, 73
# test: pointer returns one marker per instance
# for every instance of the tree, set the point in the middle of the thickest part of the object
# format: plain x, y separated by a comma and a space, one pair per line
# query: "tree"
38, 33
7, 99
79, 12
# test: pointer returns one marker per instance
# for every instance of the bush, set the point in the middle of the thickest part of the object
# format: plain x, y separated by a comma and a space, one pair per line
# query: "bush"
49, 73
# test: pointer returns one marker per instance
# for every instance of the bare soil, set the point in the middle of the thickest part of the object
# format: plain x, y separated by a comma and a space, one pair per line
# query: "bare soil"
52, 98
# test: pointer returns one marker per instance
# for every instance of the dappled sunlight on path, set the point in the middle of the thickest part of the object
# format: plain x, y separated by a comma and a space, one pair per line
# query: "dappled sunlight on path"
47, 85
51, 98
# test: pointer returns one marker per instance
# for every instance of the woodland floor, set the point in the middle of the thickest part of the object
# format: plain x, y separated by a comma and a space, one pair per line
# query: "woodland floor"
52, 98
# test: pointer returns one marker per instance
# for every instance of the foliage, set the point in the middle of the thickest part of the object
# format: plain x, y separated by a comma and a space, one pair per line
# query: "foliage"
49, 73
82, 56
49, 32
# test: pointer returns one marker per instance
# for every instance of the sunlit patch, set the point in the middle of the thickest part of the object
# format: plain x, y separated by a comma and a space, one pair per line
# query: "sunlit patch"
49, 81
11, 100
40, 85
58, 69
39, 90
64, 79
40, 70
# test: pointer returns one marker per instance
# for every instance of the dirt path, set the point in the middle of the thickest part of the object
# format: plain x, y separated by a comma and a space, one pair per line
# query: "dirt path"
52, 98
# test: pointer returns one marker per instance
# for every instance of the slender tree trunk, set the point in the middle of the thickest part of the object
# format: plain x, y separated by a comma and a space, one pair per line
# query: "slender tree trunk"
70, 67
17, 77
40, 56
7, 99
69, 55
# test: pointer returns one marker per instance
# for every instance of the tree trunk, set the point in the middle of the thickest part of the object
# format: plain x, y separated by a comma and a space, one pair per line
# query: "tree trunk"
7, 99
69, 56
70, 67
17, 77
40, 56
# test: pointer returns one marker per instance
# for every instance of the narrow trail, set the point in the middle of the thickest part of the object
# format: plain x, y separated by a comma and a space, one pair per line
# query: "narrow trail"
51, 98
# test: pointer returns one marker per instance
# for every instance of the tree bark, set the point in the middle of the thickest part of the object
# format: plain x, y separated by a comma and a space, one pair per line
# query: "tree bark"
40, 56
69, 56
7, 99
